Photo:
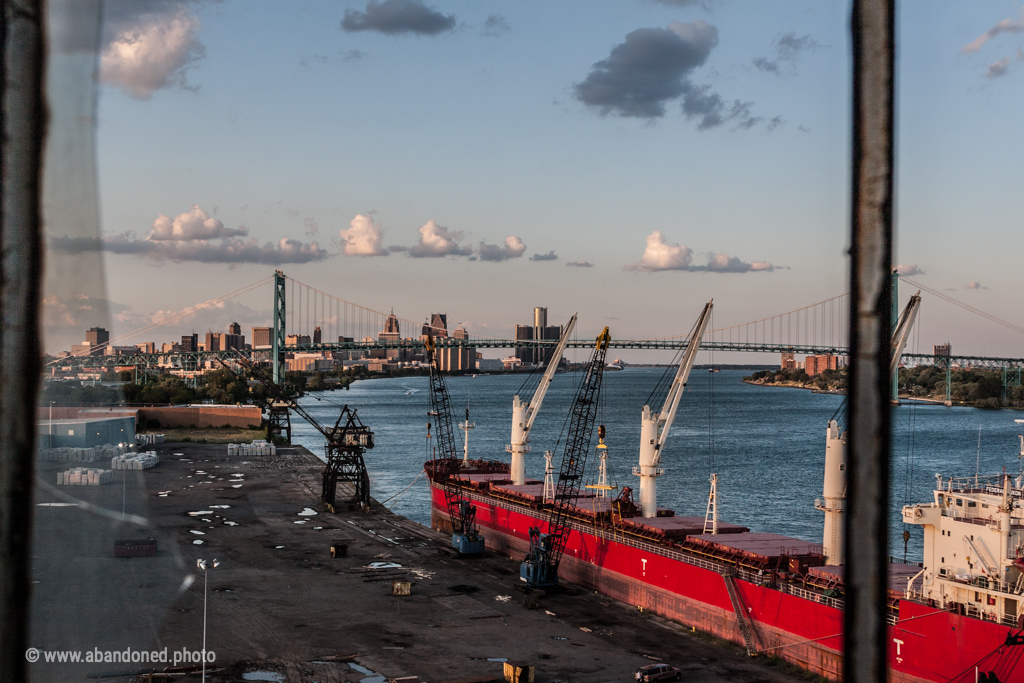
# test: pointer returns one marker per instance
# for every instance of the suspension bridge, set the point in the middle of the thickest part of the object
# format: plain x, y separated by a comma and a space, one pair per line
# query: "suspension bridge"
308, 320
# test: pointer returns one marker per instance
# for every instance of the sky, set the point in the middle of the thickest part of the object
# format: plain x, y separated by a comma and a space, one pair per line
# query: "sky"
625, 160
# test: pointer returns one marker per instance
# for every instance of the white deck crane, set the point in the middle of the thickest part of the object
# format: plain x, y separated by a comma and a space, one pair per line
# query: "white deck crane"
654, 427
833, 500
524, 413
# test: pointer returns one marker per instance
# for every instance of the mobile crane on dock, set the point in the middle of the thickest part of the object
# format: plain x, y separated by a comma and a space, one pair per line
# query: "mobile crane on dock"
466, 539
345, 443
540, 568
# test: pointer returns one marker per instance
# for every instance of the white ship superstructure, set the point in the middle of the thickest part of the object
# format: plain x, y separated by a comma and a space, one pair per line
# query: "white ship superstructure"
973, 541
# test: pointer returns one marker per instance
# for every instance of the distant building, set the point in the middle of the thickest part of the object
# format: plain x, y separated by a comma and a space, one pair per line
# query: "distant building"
261, 337
438, 326
540, 330
317, 335
190, 342
458, 357
297, 340
814, 365
391, 333
234, 328
146, 347
213, 341
96, 336
489, 365
788, 360
941, 351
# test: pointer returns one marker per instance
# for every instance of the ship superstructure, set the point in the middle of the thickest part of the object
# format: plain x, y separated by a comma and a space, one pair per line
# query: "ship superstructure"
973, 543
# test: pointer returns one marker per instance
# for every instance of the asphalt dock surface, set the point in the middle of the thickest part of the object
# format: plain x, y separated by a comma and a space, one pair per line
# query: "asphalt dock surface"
279, 606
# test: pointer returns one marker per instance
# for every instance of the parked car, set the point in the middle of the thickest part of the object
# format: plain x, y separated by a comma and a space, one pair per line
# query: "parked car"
657, 672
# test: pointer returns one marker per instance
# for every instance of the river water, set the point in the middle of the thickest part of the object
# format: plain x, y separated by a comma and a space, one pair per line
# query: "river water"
767, 444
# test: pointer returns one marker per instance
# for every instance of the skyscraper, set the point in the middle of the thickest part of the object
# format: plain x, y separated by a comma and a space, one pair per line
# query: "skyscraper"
261, 336
97, 336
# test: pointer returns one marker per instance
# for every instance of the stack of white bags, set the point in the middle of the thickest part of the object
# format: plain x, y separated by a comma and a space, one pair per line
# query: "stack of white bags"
84, 476
139, 461
148, 439
255, 448
91, 454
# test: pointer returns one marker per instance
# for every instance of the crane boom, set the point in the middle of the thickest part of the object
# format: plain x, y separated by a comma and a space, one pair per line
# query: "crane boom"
654, 427
902, 331
523, 413
446, 463
540, 568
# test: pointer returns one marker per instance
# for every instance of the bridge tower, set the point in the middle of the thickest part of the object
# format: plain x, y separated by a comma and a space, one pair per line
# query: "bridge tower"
278, 340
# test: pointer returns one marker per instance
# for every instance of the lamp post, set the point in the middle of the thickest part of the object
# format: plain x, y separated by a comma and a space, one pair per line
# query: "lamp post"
206, 574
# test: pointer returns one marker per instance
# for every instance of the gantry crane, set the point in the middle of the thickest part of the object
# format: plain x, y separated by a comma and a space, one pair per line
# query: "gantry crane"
524, 413
540, 568
345, 443
465, 537
654, 427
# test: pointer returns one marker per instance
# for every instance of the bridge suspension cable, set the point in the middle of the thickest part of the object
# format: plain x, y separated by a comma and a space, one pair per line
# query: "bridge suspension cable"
966, 307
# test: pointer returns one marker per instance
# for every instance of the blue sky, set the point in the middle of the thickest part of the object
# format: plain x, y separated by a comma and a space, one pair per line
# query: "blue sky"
494, 122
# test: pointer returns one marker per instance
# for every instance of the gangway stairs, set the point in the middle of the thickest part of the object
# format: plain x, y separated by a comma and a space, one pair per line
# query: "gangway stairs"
742, 618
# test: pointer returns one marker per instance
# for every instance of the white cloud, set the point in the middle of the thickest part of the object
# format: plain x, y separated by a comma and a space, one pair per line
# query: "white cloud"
974, 285
1004, 26
194, 224
908, 269
513, 248
437, 240
153, 53
363, 238
660, 255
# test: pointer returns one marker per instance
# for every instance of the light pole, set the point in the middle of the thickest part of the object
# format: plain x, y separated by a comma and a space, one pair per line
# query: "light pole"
206, 574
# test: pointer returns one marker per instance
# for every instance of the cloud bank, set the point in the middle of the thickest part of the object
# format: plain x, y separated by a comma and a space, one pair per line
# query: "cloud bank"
550, 256
579, 264
785, 50
513, 248
437, 241
149, 50
188, 237
395, 17
659, 255
908, 269
363, 238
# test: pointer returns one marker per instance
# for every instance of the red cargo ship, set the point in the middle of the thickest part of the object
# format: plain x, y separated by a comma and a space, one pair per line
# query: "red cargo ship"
770, 593
954, 617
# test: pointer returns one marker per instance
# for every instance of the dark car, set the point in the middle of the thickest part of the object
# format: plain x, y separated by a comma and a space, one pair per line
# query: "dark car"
657, 672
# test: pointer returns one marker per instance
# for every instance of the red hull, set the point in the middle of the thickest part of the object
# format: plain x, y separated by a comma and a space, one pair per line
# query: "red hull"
802, 627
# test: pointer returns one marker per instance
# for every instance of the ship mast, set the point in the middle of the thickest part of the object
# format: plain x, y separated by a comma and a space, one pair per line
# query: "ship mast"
524, 413
654, 427
833, 500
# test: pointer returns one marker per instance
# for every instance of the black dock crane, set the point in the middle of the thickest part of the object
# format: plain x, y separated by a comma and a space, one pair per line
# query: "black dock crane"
345, 443
465, 537
540, 568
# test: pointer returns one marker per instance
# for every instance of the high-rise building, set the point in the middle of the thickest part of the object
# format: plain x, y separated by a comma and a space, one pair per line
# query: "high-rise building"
788, 360
97, 336
261, 337
540, 330
317, 335
458, 357
190, 342
438, 326
942, 351
213, 341
234, 328
297, 340
814, 365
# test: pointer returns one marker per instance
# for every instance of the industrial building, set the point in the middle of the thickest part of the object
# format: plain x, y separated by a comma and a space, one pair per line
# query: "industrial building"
84, 432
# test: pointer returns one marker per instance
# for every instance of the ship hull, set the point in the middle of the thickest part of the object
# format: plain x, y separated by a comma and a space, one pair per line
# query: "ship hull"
800, 626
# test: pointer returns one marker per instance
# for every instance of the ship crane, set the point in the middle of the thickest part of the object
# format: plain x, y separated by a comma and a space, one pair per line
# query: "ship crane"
465, 537
654, 427
540, 568
524, 413
833, 500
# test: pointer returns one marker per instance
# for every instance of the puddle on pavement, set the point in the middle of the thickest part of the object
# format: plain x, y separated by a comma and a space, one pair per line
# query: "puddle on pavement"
372, 676
197, 533
197, 542
264, 676
307, 512
383, 565
231, 523
200, 512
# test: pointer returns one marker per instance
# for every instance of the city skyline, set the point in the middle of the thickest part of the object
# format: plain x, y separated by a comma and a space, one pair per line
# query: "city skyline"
625, 160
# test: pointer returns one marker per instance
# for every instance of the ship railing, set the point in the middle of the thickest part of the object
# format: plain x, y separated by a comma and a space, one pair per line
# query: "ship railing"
813, 596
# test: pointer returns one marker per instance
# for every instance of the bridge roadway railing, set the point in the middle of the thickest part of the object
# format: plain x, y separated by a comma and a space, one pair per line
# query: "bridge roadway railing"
198, 359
